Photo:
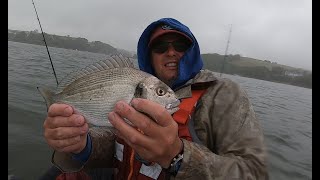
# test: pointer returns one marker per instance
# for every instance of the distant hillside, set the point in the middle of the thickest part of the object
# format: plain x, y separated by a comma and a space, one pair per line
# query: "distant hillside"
67, 42
259, 69
233, 64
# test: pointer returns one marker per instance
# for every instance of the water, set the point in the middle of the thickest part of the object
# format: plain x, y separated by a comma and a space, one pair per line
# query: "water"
285, 113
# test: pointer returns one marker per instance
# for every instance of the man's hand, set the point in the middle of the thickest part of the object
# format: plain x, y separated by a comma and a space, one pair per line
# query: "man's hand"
65, 131
158, 139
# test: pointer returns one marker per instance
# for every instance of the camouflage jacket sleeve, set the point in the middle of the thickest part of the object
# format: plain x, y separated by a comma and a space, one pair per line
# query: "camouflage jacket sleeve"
101, 153
232, 138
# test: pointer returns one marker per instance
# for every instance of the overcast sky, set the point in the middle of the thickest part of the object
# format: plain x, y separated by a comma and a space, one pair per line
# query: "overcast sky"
275, 30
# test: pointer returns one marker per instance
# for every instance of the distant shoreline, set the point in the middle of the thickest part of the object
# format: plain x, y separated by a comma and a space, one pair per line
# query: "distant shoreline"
232, 64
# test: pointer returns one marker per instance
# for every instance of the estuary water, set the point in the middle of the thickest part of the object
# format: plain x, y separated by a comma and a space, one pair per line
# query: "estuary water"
284, 111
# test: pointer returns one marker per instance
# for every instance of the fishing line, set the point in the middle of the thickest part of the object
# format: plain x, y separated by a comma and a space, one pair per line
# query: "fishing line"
44, 39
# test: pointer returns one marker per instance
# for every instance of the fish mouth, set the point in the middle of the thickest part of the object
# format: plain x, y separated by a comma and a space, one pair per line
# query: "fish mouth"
172, 107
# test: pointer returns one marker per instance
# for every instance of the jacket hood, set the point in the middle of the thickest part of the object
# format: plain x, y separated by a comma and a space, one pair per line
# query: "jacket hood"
190, 63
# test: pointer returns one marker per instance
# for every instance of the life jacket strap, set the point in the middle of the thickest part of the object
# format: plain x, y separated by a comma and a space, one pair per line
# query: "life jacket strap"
187, 107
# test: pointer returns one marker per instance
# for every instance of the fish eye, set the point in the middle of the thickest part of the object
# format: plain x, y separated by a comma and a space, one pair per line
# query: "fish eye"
160, 91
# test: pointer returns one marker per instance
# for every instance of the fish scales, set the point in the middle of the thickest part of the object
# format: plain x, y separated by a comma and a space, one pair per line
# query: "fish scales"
126, 76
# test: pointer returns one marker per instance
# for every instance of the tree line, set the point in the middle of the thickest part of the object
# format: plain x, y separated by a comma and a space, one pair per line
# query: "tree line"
277, 73
67, 42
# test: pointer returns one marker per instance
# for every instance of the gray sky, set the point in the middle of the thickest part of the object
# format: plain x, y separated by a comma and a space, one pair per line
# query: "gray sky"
275, 30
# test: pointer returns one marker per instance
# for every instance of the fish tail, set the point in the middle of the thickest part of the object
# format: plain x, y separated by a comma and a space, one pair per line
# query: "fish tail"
47, 96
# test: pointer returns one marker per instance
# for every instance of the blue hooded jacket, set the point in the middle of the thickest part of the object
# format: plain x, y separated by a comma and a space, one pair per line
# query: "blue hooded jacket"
190, 63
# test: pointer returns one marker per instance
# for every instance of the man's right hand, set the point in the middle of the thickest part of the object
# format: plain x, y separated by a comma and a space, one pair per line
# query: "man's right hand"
65, 131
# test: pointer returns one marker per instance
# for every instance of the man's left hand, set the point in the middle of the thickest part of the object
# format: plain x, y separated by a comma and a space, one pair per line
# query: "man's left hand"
153, 136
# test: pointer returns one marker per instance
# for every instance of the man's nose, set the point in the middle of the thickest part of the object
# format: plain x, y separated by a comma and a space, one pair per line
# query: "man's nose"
171, 50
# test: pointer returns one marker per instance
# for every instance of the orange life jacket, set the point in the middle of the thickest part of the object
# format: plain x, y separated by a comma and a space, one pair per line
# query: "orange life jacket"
127, 163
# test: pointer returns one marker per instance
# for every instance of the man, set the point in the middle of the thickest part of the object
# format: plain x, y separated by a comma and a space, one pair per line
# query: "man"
226, 138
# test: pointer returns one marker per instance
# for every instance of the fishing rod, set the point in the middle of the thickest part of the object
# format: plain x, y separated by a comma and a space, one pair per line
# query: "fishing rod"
225, 53
44, 39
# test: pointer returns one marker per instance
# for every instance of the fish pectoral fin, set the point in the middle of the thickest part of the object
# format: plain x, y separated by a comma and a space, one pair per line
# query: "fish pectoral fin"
138, 93
47, 96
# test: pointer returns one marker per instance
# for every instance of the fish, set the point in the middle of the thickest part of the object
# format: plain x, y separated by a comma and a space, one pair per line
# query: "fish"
92, 91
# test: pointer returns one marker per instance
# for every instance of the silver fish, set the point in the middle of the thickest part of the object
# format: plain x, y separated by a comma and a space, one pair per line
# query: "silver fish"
94, 90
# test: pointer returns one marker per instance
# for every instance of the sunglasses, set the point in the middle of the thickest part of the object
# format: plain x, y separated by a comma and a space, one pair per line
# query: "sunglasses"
162, 46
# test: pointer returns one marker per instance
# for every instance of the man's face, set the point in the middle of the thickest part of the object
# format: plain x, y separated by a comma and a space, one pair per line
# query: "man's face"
166, 52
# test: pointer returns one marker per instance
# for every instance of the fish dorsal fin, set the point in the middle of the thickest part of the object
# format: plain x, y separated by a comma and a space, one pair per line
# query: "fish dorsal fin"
114, 61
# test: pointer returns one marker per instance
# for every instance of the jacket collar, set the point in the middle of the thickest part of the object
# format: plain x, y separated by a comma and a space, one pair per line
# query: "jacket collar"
202, 80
